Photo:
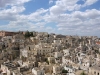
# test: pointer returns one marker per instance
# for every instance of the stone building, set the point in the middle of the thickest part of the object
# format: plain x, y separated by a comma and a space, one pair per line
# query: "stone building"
95, 70
56, 69
37, 71
6, 33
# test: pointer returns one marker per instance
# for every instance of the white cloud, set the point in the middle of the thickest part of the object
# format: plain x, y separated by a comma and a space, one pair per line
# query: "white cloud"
69, 5
89, 2
77, 21
4, 3
88, 14
38, 15
11, 14
25, 22
62, 6
56, 10
51, 1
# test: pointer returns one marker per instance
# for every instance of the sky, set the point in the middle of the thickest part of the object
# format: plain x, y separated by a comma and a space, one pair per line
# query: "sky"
68, 17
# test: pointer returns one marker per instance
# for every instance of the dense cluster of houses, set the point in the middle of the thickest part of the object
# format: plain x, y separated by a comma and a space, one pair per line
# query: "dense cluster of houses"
48, 54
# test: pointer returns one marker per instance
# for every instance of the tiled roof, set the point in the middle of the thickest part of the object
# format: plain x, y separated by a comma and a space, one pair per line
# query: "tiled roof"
98, 43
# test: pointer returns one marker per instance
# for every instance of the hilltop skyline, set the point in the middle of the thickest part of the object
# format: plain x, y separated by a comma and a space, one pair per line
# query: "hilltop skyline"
68, 17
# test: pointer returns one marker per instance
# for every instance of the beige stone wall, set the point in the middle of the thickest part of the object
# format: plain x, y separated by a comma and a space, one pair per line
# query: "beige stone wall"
94, 71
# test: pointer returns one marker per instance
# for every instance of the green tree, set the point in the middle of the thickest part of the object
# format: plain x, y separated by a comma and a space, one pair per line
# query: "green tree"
31, 33
46, 60
64, 71
27, 34
97, 51
83, 73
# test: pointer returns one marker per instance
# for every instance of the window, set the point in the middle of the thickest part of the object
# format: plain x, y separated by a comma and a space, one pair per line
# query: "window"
29, 48
94, 72
98, 73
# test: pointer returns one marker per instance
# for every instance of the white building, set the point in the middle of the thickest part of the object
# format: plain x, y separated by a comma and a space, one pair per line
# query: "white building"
95, 70
24, 52
57, 41
69, 69
37, 71
6, 38
85, 64
58, 54
43, 49
66, 52
66, 60
56, 69
18, 38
